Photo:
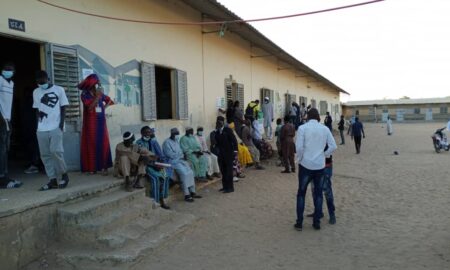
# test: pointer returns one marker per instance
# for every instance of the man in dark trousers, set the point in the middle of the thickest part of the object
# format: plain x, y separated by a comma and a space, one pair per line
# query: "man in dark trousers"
341, 126
287, 134
329, 121
357, 130
228, 148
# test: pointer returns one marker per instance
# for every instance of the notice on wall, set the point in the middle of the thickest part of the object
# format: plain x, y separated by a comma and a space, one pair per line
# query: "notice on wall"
220, 103
86, 72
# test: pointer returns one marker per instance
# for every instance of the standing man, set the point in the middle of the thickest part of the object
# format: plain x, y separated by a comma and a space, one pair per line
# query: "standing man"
293, 113
357, 131
287, 134
172, 150
389, 126
228, 149
311, 141
267, 109
50, 101
341, 127
329, 122
6, 100
248, 141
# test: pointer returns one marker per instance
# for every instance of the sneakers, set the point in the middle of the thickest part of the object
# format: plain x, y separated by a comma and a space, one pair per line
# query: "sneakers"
31, 170
316, 226
298, 227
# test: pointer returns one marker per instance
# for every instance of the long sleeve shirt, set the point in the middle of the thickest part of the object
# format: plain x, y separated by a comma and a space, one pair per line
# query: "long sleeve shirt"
311, 141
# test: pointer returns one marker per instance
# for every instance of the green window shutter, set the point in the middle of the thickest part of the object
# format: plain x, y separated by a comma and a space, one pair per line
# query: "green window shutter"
240, 94
182, 95
148, 92
64, 71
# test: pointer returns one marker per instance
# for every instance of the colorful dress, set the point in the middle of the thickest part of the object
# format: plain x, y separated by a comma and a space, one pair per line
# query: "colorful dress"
95, 148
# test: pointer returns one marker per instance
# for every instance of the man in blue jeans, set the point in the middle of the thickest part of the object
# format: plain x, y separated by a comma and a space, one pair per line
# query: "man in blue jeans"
311, 141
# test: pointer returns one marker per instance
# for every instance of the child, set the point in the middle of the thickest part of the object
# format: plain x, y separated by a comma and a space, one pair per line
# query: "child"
277, 134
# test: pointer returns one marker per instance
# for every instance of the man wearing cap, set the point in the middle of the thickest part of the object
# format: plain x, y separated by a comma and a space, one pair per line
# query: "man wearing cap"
172, 150
267, 109
131, 158
193, 152
213, 165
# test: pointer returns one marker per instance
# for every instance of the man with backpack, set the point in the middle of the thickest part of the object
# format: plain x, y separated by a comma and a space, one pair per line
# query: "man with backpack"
252, 110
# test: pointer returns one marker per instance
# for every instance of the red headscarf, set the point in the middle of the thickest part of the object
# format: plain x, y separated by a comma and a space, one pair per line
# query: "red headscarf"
90, 81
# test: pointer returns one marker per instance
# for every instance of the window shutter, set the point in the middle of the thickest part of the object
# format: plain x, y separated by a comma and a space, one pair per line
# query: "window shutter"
240, 94
228, 90
148, 92
64, 71
182, 95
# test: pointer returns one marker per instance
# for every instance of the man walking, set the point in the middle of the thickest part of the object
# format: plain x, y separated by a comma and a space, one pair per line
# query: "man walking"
287, 134
357, 131
311, 141
228, 149
341, 126
267, 109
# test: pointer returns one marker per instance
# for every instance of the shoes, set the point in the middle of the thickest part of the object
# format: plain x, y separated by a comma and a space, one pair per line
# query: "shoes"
228, 190
31, 170
163, 205
221, 190
312, 215
12, 184
286, 171
259, 167
235, 179
188, 198
50, 185
332, 220
316, 226
218, 175
298, 227
194, 195
64, 181
209, 177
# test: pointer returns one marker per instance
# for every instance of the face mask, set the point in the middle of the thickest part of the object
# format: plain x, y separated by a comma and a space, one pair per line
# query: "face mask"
43, 86
177, 138
200, 133
146, 138
7, 74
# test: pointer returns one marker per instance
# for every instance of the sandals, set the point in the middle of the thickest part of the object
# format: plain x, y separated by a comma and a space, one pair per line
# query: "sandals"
13, 184
50, 185
64, 181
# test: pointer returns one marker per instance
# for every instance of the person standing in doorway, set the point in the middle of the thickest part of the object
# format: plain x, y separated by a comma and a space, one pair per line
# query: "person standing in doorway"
357, 131
389, 126
267, 109
50, 101
341, 127
312, 138
328, 121
228, 150
287, 134
95, 148
6, 100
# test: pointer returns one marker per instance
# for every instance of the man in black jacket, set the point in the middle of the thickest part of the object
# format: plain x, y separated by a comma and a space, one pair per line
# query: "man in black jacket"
341, 126
227, 144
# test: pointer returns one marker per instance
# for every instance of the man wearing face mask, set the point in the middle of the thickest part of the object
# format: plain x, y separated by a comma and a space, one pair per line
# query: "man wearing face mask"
50, 101
213, 165
172, 150
6, 100
193, 153
130, 158
159, 176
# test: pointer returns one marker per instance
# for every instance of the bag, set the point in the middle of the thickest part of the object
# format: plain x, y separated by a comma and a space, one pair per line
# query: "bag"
249, 110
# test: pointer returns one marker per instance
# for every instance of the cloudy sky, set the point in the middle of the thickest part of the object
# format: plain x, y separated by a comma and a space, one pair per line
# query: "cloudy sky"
388, 49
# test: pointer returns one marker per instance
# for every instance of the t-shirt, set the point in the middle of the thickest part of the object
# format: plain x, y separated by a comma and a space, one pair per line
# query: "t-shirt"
357, 129
6, 97
49, 102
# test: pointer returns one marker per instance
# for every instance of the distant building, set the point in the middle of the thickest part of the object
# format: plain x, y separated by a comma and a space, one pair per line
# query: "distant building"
426, 109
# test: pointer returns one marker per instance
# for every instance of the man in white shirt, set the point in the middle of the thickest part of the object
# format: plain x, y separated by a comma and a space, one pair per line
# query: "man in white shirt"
311, 140
50, 101
6, 100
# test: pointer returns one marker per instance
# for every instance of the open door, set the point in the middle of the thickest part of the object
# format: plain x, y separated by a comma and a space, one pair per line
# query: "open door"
63, 69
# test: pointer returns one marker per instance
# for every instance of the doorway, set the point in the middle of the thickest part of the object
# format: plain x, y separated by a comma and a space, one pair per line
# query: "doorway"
26, 56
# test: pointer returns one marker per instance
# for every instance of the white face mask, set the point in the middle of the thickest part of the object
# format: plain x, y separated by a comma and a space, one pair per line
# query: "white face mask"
146, 138
200, 133
177, 138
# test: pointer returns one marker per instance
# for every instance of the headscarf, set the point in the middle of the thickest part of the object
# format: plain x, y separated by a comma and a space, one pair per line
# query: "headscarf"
90, 81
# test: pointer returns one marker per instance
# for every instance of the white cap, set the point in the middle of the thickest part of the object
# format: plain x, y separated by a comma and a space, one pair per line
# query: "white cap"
266, 98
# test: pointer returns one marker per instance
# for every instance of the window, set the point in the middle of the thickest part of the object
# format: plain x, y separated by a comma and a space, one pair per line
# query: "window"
416, 110
444, 110
164, 93
266, 93
336, 108
289, 99
323, 107
234, 91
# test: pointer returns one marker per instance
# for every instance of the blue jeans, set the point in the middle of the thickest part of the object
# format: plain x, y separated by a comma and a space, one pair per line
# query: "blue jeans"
304, 177
327, 190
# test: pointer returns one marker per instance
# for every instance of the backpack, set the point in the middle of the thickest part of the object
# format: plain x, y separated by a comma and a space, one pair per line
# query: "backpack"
249, 110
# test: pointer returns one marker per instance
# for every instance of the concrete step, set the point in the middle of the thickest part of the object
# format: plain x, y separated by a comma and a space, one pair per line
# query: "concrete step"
90, 229
78, 212
127, 244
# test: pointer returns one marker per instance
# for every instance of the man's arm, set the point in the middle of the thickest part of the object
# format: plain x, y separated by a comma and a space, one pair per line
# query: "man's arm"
331, 144
299, 143
362, 130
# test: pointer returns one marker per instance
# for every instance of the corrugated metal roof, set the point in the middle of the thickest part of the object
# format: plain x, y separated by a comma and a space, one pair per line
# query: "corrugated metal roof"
398, 101
213, 10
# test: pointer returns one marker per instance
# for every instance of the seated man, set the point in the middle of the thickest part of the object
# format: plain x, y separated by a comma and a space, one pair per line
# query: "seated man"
159, 176
213, 164
193, 152
248, 141
131, 159
172, 150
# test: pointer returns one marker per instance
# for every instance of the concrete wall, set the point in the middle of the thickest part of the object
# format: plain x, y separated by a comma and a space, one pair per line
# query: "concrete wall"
207, 58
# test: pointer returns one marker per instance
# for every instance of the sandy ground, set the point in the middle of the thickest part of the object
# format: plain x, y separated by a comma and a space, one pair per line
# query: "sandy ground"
392, 213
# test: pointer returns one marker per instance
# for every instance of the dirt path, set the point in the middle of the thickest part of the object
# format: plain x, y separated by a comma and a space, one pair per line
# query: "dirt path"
392, 213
